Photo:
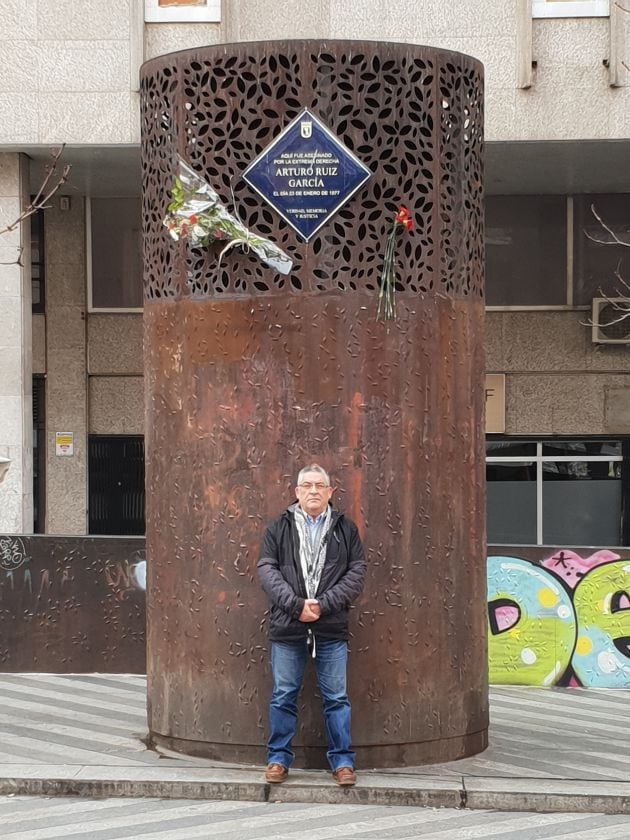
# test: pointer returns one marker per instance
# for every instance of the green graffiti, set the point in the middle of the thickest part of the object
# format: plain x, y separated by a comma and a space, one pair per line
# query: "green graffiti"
540, 630
532, 626
602, 606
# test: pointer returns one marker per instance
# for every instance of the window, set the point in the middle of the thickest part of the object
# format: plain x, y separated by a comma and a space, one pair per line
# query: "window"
37, 260
526, 261
116, 485
570, 8
115, 254
556, 492
597, 262
528, 238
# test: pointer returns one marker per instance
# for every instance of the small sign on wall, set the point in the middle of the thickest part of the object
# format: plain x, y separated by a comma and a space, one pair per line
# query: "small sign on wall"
182, 11
64, 443
495, 403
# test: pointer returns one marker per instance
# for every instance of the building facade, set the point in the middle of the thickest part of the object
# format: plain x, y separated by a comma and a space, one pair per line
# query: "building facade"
557, 119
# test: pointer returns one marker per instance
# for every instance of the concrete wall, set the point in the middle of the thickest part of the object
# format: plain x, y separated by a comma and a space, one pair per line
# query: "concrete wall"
115, 364
114, 344
558, 381
16, 396
93, 366
70, 73
116, 405
66, 408
160, 38
70, 70
570, 96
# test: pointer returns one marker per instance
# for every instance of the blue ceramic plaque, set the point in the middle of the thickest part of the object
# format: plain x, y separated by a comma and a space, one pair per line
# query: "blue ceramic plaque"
306, 174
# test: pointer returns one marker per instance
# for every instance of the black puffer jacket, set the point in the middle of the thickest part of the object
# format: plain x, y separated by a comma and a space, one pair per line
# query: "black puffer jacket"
281, 577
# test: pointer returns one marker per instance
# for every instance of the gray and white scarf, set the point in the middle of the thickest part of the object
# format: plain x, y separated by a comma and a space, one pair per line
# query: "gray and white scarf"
313, 542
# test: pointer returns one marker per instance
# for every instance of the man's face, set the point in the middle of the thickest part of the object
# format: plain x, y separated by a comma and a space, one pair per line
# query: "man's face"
313, 493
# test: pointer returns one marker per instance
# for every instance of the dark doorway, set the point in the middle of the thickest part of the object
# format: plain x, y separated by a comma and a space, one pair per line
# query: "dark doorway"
39, 454
116, 484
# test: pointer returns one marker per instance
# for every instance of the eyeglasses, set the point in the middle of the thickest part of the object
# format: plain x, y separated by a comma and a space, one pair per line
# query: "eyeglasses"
313, 485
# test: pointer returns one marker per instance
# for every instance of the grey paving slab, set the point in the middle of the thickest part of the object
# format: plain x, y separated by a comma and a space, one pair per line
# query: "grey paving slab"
15, 697
538, 794
549, 749
109, 819
38, 771
209, 774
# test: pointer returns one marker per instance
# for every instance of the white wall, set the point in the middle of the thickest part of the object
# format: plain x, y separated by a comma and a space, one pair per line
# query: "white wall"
70, 69
16, 398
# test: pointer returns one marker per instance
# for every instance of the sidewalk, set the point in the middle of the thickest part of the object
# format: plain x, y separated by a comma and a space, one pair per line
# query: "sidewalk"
550, 750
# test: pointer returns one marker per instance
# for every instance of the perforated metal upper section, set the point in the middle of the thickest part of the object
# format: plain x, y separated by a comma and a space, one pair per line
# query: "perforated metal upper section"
413, 115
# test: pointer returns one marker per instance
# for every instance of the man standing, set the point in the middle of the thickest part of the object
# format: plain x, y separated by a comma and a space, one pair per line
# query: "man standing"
312, 568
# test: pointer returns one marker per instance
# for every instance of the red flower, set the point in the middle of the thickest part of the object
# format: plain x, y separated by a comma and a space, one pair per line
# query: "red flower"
193, 219
403, 218
386, 297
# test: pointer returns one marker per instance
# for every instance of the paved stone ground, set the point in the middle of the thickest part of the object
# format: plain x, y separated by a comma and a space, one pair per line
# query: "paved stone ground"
550, 749
28, 818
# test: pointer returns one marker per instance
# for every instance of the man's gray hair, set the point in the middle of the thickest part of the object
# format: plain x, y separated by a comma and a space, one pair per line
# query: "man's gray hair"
313, 468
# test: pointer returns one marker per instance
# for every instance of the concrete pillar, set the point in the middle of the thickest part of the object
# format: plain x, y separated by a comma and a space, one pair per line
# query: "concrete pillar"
66, 381
16, 396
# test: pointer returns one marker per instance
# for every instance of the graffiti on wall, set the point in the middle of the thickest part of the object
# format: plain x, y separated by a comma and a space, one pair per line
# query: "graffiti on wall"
12, 553
562, 621
556, 617
72, 604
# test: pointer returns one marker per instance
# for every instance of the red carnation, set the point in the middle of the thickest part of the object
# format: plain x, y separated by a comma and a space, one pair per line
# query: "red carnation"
386, 297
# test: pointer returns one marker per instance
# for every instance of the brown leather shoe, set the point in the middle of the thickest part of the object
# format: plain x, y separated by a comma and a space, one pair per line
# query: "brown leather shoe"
345, 776
276, 773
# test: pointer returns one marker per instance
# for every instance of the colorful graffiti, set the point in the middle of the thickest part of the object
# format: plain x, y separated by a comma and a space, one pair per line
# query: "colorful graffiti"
563, 621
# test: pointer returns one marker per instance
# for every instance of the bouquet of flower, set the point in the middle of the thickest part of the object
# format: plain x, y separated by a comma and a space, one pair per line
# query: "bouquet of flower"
197, 214
386, 299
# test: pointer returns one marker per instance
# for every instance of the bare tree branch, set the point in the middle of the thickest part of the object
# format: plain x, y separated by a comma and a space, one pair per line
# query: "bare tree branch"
54, 179
620, 278
620, 301
614, 239
18, 261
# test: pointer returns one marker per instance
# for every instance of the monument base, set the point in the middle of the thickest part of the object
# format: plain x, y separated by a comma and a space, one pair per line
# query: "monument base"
314, 758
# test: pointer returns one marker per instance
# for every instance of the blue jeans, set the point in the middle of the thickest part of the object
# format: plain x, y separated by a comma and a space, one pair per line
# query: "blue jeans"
288, 662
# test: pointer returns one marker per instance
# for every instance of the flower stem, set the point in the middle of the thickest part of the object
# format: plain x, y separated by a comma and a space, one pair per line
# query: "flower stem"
386, 298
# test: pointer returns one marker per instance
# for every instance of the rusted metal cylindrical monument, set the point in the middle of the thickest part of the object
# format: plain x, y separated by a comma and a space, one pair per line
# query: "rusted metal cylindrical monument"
251, 374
